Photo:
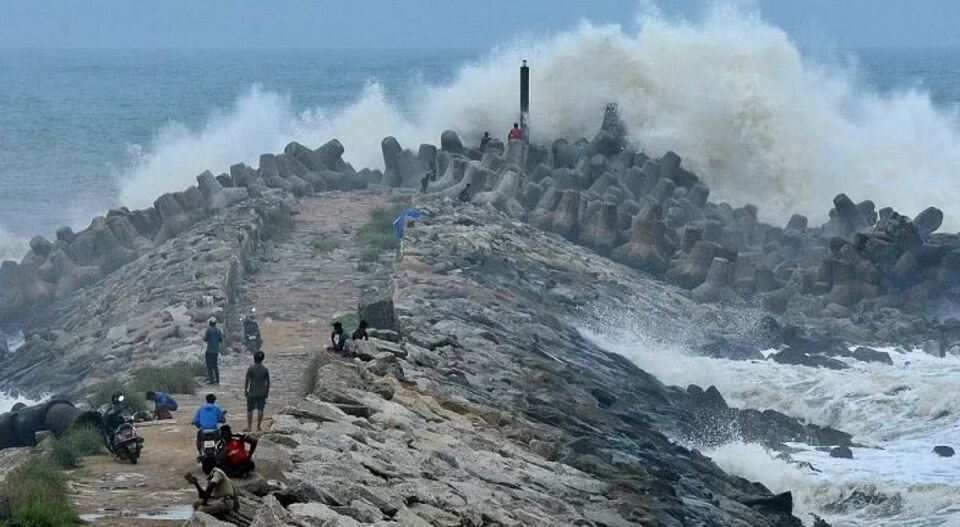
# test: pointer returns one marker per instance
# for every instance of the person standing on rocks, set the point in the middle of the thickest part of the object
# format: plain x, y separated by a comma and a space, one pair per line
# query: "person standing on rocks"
516, 133
484, 141
213, 337
256, 388
465, 194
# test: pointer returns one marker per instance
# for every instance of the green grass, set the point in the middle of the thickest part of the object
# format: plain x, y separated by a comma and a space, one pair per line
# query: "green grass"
81, 442
369, 255
179, 377
350, 322
323, 244
35, 493
377, 233
134, 400
277, 225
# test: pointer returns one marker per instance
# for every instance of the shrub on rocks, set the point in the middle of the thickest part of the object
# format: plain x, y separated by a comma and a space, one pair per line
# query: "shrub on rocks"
943, 451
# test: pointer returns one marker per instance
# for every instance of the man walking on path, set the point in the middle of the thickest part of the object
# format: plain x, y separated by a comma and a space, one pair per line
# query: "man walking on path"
256, 388
213, 337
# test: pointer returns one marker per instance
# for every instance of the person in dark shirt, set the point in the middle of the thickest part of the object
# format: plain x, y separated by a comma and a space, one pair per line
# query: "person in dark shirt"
256, 387
338, 338
361, 332
465, 194
213, 337
484, 141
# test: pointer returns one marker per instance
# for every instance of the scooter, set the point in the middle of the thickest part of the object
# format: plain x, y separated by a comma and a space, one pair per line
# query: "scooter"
209, 445
121, 435
251, 332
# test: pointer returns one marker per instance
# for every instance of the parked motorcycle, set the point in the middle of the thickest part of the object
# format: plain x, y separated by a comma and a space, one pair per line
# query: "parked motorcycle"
209, 444
251, 332
120, 434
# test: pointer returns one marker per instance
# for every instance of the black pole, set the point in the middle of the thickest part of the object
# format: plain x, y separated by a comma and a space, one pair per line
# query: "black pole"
524, 99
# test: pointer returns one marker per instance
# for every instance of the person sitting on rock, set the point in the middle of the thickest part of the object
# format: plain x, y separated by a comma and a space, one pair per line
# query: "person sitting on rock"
237, 459
484, 141
516, 133
208, 417
338, 338
465, 194
163, 404
219, 496
361, 332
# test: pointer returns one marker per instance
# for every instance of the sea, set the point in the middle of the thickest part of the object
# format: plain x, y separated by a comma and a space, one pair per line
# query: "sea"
762, 120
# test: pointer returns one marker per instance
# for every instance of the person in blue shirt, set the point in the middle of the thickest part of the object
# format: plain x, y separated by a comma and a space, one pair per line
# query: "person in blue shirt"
213, 337
209, 416
163, 404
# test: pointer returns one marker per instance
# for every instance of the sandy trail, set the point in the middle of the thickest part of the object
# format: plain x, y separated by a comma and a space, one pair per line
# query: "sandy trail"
297, 291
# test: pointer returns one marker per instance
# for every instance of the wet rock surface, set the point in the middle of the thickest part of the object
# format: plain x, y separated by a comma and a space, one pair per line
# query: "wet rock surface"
494, 408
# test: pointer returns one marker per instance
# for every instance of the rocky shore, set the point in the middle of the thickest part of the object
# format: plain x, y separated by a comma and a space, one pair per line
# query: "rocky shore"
481, 402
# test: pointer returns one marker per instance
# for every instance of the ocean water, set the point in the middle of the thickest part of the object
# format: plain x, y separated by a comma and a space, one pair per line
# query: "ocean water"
761, 120
73, 124
899, 413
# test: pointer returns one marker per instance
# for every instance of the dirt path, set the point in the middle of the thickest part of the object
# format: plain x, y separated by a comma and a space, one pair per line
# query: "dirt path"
298, 289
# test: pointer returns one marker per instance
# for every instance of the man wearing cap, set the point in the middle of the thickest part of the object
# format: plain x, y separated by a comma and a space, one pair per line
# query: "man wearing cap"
213, 337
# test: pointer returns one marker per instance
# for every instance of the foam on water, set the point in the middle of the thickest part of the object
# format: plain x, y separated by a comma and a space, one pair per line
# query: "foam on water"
732, 94
12, 247
898, 412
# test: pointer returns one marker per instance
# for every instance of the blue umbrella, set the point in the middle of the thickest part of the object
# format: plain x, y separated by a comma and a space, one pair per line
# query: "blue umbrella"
400, 224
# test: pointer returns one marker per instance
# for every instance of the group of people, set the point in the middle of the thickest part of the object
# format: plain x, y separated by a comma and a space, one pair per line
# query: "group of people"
233, 455
515, 134
338, 338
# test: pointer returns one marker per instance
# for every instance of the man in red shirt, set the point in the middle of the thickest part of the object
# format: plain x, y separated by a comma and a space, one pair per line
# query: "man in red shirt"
236, 459
515, 133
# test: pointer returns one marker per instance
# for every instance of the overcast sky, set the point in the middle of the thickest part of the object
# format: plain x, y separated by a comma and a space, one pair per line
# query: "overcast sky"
473, 24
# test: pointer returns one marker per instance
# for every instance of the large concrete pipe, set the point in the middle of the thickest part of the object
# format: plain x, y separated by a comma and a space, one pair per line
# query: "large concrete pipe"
20, 427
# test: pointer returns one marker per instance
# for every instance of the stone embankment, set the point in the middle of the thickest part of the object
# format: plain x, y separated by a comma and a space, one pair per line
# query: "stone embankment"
483, 403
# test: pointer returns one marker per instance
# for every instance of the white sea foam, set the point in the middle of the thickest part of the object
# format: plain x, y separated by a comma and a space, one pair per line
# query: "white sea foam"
899, 412
730, 93
12, 247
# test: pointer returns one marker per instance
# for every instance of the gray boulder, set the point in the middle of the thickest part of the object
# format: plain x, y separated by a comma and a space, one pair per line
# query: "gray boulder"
717, 288
647, 249
376, 307
928, 221
450, 142
600, 230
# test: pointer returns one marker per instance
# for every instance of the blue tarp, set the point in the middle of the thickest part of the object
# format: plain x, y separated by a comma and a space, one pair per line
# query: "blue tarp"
400, 224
